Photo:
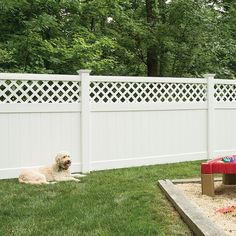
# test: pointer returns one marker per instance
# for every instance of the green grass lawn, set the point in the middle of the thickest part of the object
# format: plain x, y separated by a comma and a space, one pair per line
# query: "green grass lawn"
115, 202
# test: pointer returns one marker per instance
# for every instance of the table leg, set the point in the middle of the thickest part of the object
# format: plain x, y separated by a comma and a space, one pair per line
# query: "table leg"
207, 181
229, 179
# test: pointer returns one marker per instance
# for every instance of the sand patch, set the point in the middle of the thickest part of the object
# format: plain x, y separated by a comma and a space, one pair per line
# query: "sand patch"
225, 197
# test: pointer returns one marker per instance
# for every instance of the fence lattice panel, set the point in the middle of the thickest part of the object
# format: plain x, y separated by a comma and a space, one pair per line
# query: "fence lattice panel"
32, 91
139, 92
225, 92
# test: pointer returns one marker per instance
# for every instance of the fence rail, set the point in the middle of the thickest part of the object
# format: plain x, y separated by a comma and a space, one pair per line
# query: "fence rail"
113, 121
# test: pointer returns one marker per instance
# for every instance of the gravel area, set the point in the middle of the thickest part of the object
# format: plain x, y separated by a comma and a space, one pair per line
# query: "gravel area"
225, 197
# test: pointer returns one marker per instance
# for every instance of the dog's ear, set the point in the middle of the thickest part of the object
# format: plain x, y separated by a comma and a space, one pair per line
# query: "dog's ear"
57, 158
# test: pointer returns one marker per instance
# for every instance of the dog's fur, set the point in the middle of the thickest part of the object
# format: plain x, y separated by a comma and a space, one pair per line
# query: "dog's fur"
57, 172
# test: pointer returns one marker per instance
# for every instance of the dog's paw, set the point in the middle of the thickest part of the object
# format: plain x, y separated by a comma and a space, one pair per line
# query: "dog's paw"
77, 180
51, 182
78, 175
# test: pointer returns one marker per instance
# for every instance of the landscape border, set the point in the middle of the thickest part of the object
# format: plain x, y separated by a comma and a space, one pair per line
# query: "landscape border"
190, 212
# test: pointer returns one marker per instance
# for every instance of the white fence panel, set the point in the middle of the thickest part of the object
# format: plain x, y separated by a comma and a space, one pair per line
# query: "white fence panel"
112, 121
225, 117
133, 138
33, 139
141, 121
39, 117
226, 129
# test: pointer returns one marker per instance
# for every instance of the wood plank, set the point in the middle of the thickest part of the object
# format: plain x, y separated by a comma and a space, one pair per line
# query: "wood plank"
191, 214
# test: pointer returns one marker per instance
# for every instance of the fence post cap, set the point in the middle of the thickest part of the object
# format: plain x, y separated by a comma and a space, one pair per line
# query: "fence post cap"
84, 71
209, 75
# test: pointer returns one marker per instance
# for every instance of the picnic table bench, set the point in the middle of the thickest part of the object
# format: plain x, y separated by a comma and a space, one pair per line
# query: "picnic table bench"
217, 166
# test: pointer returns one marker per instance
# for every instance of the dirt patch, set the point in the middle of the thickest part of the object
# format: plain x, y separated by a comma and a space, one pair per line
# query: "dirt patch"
225, 197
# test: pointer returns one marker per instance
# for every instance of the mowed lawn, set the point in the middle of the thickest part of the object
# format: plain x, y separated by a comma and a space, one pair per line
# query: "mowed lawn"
115, 202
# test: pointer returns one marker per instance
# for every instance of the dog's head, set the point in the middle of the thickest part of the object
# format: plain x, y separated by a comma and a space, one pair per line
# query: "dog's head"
63, 160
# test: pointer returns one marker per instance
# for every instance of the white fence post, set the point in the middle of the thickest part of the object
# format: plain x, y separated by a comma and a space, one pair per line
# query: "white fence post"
85, 121
210, 115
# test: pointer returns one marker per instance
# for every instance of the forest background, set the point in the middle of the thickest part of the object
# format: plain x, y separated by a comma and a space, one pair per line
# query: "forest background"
119, 37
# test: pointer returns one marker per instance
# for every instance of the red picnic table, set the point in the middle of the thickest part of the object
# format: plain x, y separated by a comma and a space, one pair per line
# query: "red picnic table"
217, 166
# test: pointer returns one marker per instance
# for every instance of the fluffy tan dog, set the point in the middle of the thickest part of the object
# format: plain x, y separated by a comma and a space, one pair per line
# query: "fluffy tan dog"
59, 171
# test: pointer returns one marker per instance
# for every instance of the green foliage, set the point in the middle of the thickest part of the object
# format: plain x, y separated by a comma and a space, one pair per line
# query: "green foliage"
112, 37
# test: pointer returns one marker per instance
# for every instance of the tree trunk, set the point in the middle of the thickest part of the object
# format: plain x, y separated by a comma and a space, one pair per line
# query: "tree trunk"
152, 60
93, 25
162, 50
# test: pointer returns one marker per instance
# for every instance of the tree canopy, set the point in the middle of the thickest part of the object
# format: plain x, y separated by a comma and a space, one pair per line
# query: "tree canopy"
119, 37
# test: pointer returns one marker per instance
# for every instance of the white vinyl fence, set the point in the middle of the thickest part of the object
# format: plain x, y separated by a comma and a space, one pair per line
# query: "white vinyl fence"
113, 122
